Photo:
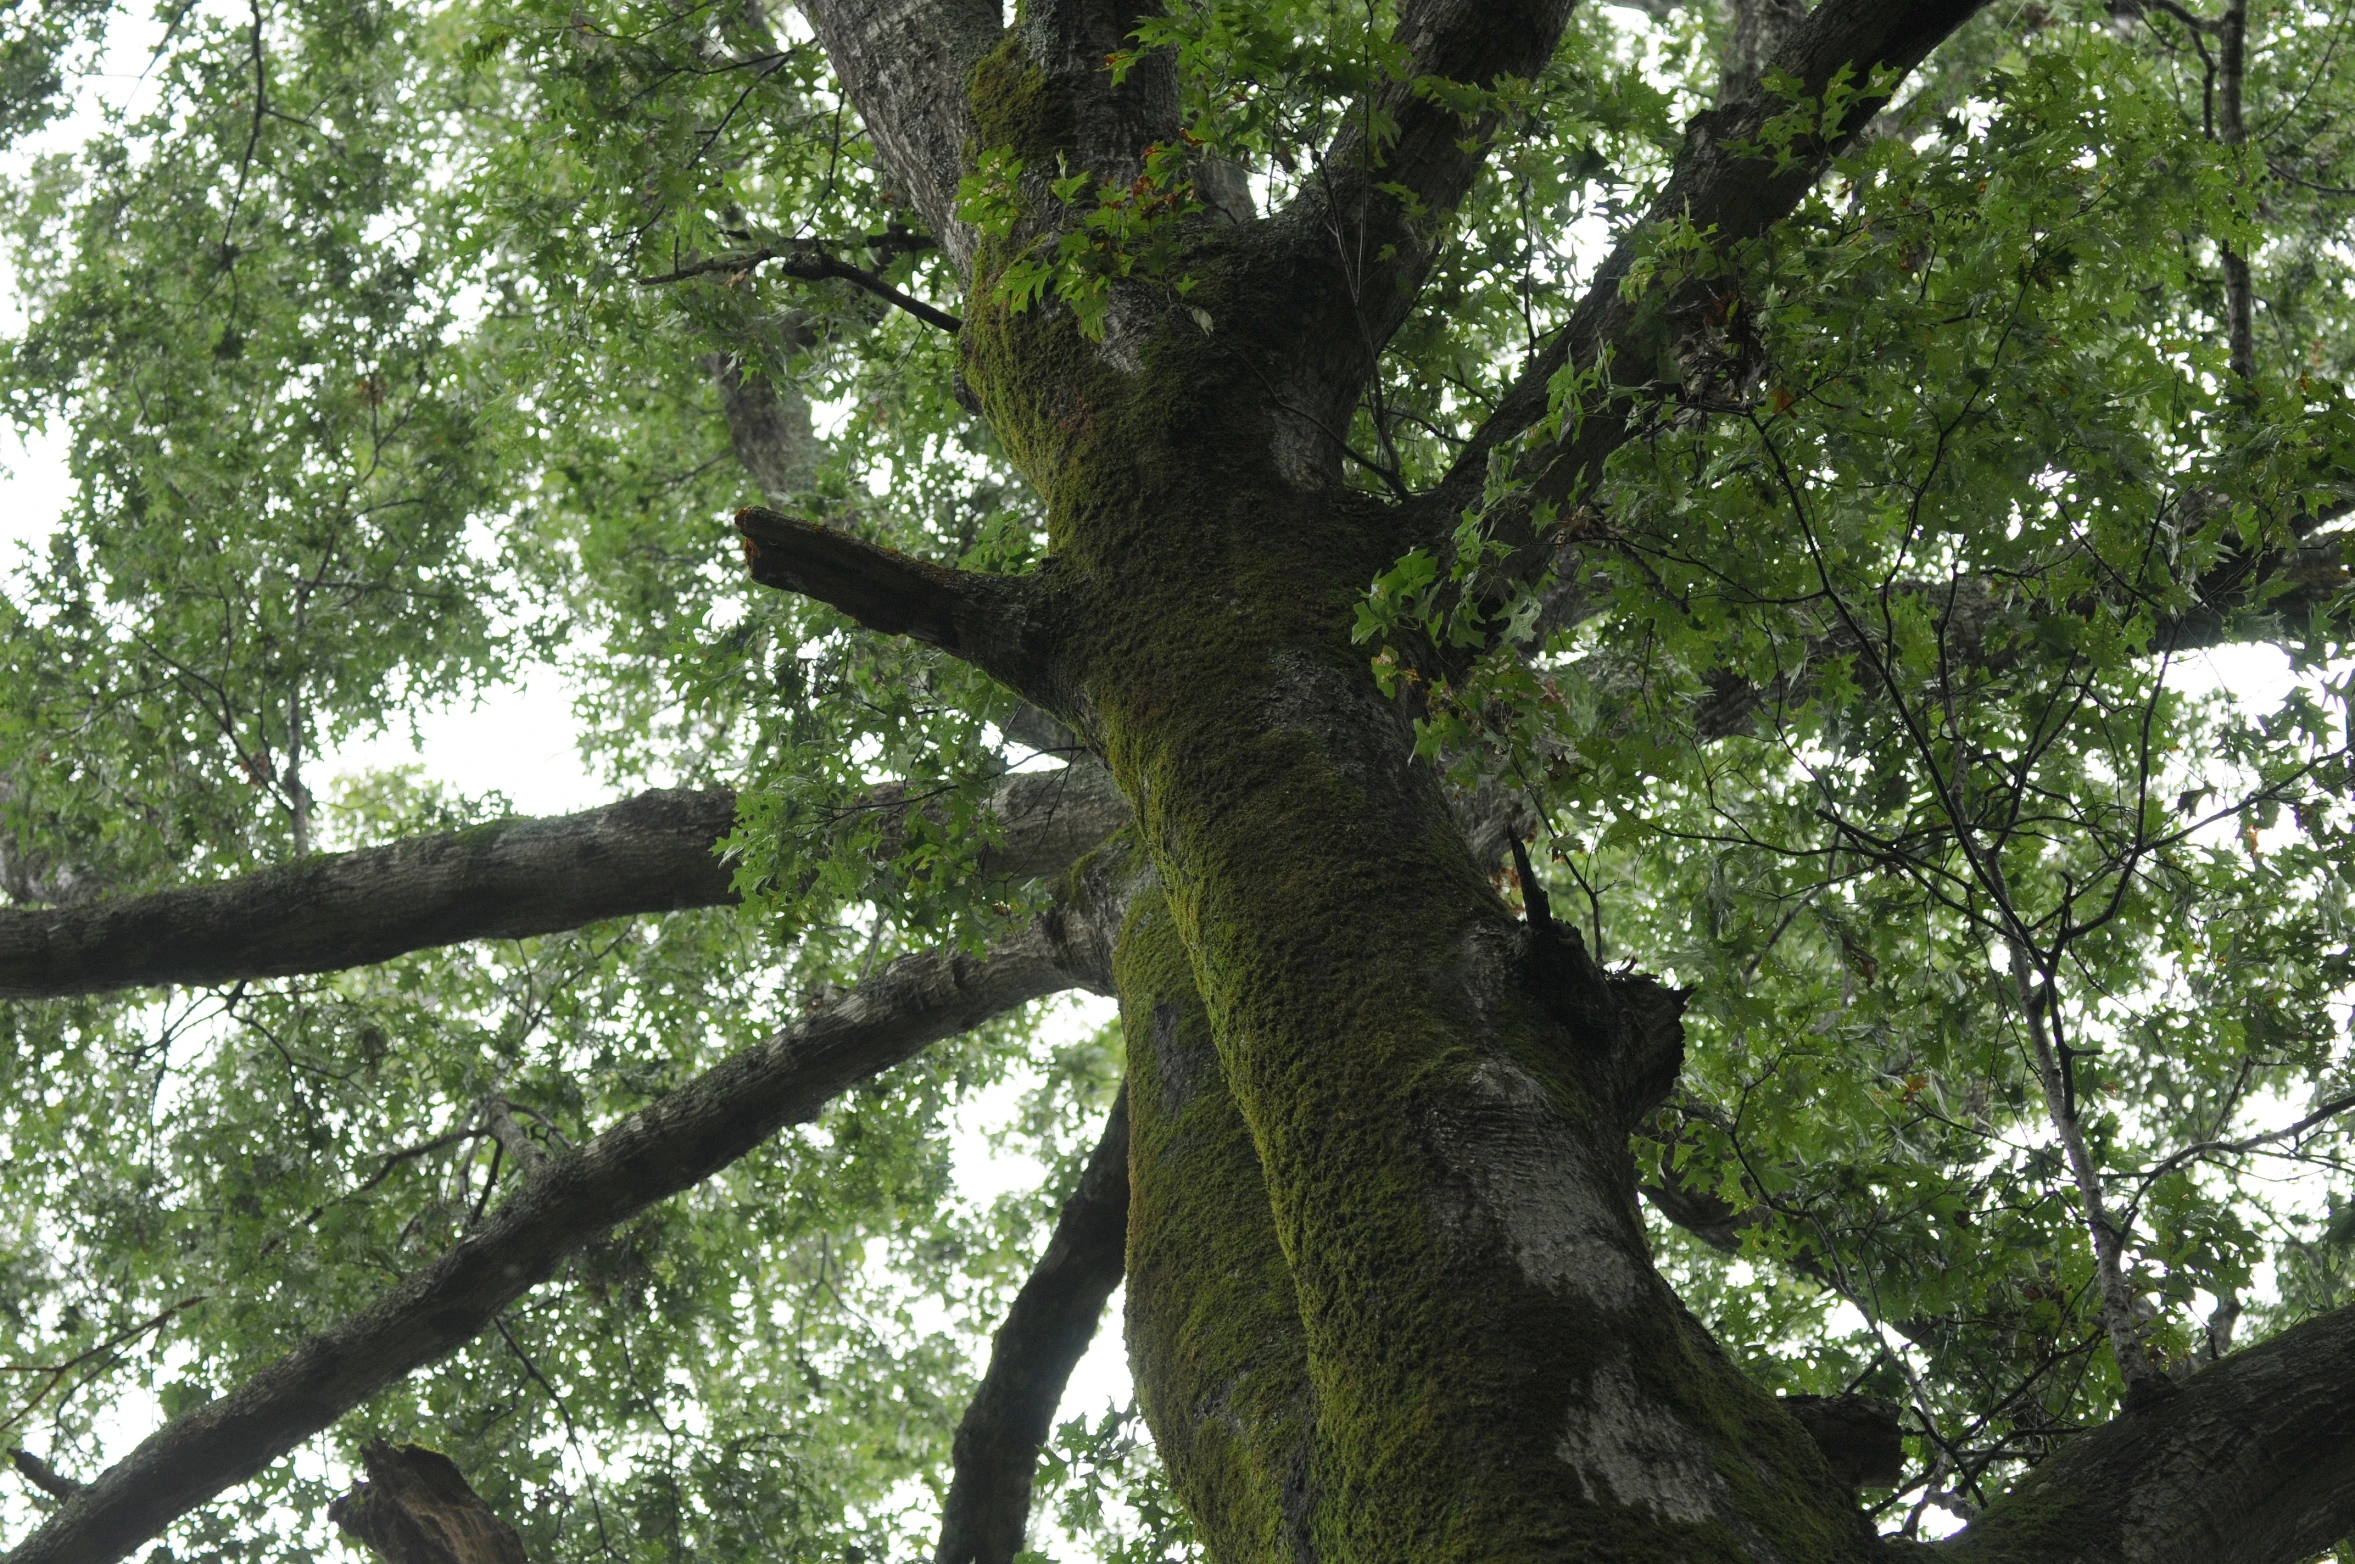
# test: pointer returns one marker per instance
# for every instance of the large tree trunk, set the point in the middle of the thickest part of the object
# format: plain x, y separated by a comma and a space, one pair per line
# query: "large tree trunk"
1437, 1095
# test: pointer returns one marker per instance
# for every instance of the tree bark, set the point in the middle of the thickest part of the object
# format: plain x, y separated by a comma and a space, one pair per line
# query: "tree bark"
1046, 1332
2249, 1461
506, 880
904, 64
417, 1508
1213, 1327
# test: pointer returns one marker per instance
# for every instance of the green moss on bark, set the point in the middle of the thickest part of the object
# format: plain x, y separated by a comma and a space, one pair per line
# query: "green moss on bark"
1213, 1329
1439, 1251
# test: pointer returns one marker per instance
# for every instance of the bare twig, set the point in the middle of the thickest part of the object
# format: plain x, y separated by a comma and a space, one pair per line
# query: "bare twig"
810, 265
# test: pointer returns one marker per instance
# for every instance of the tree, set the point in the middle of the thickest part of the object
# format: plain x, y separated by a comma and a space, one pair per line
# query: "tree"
1580, 614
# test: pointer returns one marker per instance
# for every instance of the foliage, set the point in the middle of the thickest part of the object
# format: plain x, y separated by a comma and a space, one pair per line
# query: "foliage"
369, 410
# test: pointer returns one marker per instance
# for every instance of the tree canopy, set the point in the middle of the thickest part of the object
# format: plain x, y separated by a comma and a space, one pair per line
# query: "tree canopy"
1786, 480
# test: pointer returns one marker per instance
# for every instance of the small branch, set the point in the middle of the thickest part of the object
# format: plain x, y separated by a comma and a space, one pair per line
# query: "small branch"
518, 1146
2039, 1004
53, 1374
42, 1475
2229, 1148
1046, 1332
811, 266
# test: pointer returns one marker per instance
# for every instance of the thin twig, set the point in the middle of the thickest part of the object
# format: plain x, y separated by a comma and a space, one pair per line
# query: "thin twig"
811, 266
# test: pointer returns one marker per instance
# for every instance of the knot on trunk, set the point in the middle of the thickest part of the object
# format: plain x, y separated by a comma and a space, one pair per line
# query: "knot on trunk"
1627, 1026
417, 1508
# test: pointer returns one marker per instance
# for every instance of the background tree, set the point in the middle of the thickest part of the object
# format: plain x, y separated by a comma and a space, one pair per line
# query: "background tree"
1584, 614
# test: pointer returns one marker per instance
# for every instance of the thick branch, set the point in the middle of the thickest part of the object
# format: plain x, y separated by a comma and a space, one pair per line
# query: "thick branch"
1361, 235
2251, 1461
903, 64
1046, 1332
992, 622
652, 853
653, 1154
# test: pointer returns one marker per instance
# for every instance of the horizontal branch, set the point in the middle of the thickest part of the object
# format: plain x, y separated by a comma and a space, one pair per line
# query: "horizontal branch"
809, 265
996, 623
2237, 603
651, 853
662, 1149
506, 880
2250, 1461
1046, 1332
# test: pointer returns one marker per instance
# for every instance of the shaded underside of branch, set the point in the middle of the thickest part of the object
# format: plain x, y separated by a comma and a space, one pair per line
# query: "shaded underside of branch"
1047, 1330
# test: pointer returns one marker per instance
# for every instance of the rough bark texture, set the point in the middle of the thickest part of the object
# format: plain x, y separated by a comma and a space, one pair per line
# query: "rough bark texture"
904, 64
656, 1152
1434, 1102
2250, 1461
506, 880
417, 1508
1213, 1325
1045, 1334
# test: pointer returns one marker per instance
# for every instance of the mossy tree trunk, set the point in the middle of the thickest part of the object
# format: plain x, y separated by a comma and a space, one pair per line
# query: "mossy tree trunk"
1390, 1298
1438, 1095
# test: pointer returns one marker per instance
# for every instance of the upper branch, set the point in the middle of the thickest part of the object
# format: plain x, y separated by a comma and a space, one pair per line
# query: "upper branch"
1046, 1332
1359, 238
2251, 1461
811, 265
653, 853
996, 623
1723, 189
656, 1152
904, 64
